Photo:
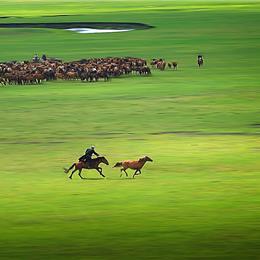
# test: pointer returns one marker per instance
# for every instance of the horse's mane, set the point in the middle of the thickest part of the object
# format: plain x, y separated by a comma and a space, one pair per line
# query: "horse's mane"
99, 157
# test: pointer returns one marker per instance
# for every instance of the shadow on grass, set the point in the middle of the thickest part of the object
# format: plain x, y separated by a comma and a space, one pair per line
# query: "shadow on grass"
129, 179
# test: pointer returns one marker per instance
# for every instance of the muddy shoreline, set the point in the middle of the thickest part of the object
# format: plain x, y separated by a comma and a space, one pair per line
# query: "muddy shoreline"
69, 25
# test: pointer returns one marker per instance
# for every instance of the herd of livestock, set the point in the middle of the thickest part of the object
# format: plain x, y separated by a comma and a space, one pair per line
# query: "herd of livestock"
88, 70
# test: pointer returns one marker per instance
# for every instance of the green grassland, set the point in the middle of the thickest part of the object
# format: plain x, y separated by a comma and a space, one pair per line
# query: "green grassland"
200, 197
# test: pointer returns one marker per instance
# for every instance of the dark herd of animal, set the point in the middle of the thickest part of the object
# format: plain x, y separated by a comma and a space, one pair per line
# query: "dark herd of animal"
90, 70
86, 70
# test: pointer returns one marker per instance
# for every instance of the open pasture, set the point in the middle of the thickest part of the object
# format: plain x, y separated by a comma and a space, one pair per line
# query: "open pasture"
198, 199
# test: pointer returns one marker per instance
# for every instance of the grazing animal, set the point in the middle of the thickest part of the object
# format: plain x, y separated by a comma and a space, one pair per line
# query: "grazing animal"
158, 64
174, 65
154, 62
71, 75
144, 70
136, 165
161, 65
2, 81
93, 164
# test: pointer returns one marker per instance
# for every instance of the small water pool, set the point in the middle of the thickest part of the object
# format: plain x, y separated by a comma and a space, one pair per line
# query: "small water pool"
92, 30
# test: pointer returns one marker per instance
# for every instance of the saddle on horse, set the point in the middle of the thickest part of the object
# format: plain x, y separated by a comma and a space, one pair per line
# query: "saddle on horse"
87, 157
85, 161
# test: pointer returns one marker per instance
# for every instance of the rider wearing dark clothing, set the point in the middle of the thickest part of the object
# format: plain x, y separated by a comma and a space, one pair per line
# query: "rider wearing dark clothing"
88, 154
200, 57
200, 60
44, 58
36, 58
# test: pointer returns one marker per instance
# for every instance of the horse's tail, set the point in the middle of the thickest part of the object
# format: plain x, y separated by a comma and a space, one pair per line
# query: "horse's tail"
67, 170
118, 164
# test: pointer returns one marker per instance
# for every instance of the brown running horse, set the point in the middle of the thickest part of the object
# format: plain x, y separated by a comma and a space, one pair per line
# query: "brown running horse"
94, 164
134, 165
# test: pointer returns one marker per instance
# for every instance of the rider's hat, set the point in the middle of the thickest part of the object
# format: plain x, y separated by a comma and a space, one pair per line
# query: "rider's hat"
92, 147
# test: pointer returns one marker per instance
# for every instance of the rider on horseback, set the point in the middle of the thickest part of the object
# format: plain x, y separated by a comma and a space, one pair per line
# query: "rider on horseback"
200, 57
200, 60
86, 158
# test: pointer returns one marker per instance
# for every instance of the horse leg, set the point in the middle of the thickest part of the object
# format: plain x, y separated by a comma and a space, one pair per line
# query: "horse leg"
135, 173
67, 170
99, 169
139, 172
81, 175
124, 171
72, 173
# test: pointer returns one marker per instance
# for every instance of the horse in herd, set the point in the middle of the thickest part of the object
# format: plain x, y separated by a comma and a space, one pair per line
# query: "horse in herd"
86, 70
161, 64
136, 165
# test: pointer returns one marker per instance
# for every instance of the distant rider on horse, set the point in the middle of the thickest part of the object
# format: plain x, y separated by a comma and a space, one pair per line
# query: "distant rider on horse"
87, 157
200, 60
36, 58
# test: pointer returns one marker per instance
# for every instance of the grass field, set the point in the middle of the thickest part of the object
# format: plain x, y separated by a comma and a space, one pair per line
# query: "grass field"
200, 197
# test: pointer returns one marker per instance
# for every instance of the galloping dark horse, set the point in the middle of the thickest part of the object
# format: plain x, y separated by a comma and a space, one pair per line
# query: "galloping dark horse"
93, 164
